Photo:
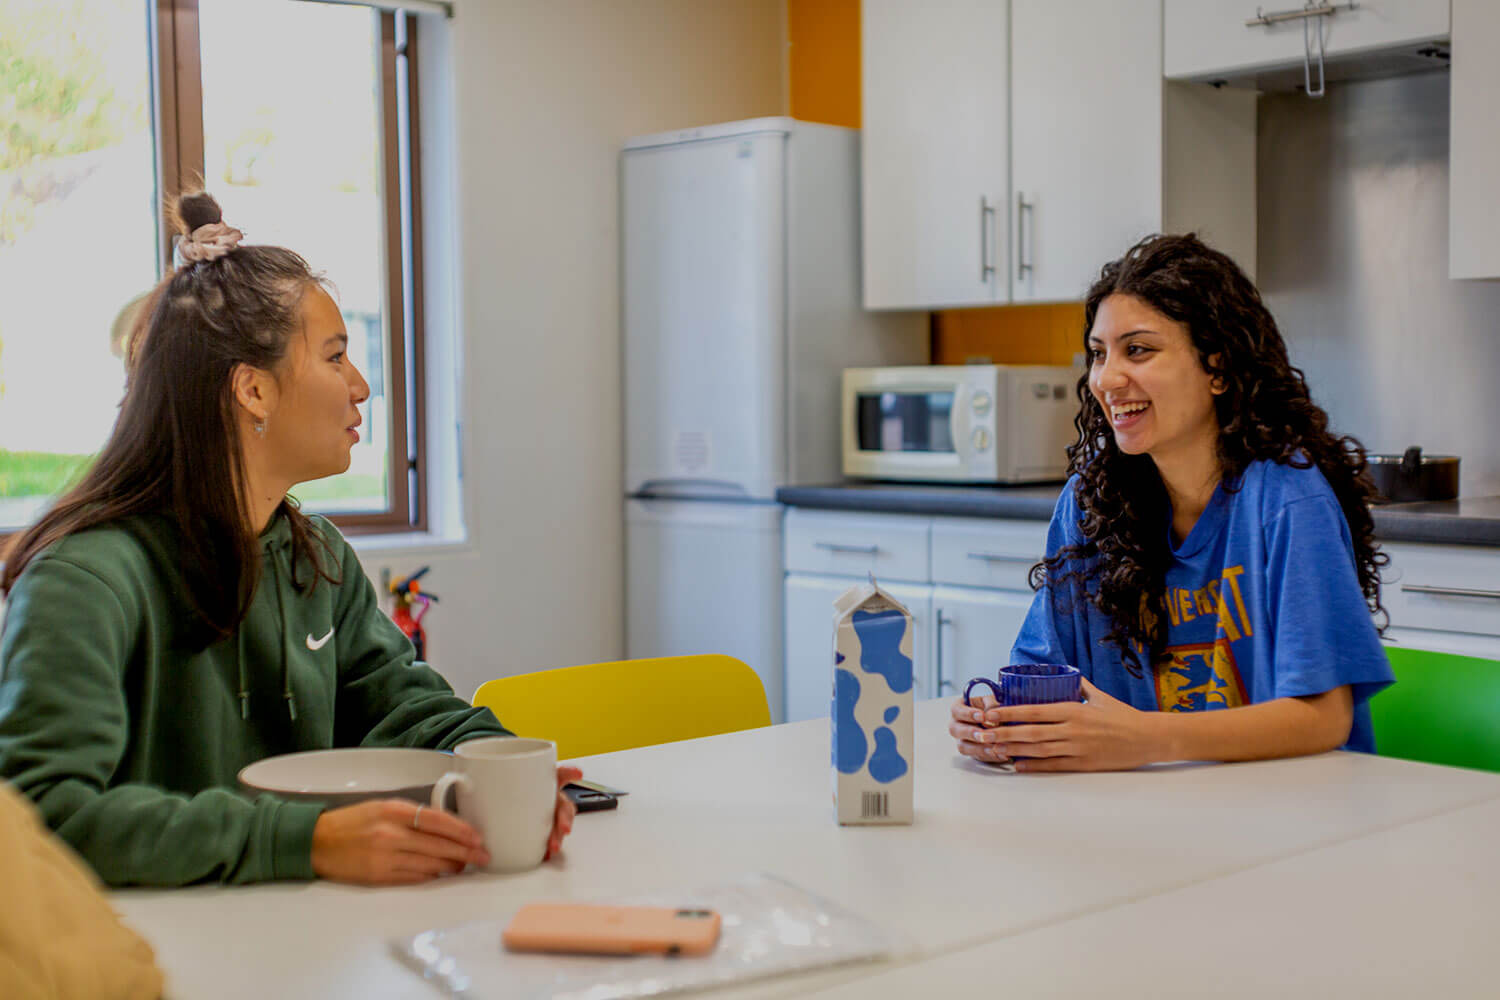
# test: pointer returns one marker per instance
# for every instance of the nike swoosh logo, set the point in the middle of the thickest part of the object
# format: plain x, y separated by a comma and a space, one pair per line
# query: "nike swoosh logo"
319, 643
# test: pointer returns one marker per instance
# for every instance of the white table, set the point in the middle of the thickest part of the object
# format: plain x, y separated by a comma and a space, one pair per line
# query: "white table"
1401, 913
992, 855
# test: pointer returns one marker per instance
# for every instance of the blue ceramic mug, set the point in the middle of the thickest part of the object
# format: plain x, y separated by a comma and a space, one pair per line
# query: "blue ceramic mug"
1031, 684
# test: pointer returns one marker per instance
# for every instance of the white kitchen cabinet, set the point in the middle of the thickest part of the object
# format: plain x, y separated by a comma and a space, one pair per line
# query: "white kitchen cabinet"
1486, 647
1443, 597
974, 630
966, 583
1474, 142
1086, 140
1210, 39
972, 615
843, 543
992, 554
1010, 148
809, 639
934, 140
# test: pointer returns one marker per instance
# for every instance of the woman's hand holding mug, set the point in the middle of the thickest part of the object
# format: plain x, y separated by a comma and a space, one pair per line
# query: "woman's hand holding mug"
507, 787
393, 842
1037, 725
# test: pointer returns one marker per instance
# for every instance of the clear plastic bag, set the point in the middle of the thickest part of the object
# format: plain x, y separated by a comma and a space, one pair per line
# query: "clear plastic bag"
769, 927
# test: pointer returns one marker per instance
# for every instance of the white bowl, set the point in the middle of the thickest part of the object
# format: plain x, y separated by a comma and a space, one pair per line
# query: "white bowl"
344, 777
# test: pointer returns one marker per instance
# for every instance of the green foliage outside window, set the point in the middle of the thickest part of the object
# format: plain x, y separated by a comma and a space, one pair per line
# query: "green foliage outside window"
57, 102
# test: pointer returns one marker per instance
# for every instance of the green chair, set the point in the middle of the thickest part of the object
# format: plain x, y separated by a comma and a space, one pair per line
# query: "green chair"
1443, 709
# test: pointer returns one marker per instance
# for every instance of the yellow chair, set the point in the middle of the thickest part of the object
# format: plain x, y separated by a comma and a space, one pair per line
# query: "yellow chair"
600, 707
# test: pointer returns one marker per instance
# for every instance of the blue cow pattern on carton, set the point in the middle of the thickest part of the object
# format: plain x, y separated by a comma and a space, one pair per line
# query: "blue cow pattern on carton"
880, 634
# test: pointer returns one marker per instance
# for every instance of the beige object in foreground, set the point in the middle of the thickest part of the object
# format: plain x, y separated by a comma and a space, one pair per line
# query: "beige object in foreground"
59, 937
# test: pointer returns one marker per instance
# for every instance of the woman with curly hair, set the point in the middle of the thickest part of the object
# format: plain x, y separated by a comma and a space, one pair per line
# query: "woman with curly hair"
1210, 565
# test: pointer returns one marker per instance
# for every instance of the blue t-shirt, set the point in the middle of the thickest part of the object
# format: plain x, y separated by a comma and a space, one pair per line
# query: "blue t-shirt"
1263, 602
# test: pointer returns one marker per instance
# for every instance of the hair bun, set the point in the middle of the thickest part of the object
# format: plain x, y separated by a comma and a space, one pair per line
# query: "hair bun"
196, 210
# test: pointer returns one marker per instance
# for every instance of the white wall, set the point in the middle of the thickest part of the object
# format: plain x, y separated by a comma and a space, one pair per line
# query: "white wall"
522, 239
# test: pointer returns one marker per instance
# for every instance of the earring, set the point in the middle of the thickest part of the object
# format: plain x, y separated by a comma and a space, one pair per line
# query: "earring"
260, 428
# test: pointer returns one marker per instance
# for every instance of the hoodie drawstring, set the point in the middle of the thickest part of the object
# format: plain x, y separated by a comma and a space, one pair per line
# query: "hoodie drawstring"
286, 656
239, 659
271, 565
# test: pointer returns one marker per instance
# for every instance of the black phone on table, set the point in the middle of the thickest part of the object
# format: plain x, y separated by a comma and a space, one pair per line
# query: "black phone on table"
589, 799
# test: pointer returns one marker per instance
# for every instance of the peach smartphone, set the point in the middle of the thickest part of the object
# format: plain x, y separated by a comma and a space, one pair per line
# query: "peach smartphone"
593, 929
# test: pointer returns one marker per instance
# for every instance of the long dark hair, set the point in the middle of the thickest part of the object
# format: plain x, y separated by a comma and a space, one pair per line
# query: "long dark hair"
175, 448
1264, 412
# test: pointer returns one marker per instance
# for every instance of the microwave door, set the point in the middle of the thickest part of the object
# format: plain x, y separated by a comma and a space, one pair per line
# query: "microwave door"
911, 420
907, 432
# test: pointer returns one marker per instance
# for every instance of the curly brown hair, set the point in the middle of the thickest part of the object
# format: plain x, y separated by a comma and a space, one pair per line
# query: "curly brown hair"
1264, 412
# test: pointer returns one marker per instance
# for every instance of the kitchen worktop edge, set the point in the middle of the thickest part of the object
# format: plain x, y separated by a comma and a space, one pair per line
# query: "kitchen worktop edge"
1466, 521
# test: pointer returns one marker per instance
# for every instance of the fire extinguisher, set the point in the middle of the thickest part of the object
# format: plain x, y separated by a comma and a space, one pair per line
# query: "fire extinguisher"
411, 608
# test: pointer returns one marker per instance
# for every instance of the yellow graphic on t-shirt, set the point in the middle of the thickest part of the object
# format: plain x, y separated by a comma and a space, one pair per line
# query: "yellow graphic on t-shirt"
1198, 677
1225, 602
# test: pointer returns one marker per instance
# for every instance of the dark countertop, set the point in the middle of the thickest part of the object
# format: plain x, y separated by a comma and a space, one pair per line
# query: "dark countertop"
1027, 503
1466, 521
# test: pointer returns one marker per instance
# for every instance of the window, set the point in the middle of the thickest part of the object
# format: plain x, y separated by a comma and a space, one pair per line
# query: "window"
112, 107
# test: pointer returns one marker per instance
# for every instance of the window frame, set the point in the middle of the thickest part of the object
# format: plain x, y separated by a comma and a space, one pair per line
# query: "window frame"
177, 106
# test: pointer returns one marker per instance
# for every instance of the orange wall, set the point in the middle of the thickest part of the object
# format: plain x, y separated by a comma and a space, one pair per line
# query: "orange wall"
823, 62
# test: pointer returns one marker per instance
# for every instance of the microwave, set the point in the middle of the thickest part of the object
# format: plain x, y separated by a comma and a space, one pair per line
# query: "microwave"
959, 423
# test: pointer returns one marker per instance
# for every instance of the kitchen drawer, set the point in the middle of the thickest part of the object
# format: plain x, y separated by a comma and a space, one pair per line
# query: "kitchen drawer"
971, 552
1451, 588
892, 546
1485, 647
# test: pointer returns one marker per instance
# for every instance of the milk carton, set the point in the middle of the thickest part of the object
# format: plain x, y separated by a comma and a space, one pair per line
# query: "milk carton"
873, 639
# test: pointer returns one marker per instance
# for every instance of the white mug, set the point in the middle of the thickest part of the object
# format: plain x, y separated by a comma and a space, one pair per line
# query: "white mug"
506, 787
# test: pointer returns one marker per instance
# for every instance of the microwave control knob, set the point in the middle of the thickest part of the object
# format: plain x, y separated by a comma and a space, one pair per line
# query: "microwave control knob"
981, 439
981, 402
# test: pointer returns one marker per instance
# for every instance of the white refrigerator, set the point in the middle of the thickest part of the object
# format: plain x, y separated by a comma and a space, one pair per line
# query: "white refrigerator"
741, 305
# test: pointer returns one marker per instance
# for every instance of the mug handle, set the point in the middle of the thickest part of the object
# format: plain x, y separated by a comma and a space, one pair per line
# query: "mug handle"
444, 786
982, 680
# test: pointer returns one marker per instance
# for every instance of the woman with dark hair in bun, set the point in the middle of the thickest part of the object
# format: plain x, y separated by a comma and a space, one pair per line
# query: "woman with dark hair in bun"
1211, 568
153, 643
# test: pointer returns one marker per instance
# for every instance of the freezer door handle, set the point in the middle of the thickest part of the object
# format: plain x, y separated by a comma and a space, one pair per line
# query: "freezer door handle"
671, 489
862, 550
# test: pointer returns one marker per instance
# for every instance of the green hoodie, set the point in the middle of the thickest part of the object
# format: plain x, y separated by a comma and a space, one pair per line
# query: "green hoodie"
129, 736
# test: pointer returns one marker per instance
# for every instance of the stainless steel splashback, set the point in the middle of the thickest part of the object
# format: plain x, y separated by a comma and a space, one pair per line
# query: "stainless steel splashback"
1353, 261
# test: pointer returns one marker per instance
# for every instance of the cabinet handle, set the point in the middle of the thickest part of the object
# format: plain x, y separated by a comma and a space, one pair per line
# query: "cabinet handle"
986, 213
998, 557
1312, 13
1302, 13
1417, 588
943, 621
863, 550
1307, 87
1023, 208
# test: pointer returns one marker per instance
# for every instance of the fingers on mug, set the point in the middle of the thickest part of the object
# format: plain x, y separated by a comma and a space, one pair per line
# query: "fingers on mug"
993, 686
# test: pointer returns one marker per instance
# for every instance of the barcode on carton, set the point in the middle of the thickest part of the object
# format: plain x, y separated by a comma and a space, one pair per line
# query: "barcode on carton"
874, 805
